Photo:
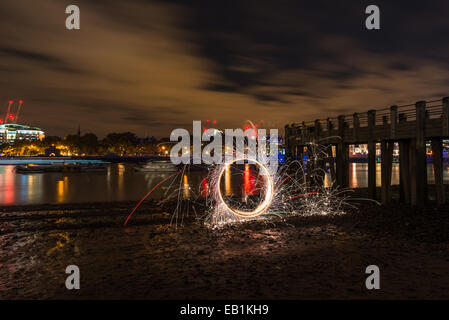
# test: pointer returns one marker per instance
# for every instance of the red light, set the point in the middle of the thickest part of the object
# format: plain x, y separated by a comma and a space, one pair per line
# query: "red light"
157, 185
204, 129
11, 116
11, 102
1, 120
261, 121
214, 122
204, 188
20, 101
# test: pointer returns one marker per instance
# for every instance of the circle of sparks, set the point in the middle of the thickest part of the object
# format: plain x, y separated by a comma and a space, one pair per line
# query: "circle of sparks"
269, 191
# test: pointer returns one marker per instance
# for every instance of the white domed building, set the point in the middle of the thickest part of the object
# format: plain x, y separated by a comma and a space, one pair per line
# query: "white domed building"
12, 132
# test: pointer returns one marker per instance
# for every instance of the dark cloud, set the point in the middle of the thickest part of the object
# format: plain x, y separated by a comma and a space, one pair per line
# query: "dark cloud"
28, 55
152, 66
38, 58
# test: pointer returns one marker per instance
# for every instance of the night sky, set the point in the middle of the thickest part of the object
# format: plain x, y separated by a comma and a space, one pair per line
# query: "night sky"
152, 66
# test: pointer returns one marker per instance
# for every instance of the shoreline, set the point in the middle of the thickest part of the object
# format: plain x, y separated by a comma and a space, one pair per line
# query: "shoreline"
352, 192
299, 257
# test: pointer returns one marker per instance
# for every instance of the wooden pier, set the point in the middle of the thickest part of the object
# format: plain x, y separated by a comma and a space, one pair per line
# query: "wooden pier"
411, 126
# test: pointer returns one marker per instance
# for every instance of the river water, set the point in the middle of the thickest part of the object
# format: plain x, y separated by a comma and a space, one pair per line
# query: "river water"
122, 183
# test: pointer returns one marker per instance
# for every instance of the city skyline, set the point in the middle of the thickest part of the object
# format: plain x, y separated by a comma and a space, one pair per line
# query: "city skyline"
151, 66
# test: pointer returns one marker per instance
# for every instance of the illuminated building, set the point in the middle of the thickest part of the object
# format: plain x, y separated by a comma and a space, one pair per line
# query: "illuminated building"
12, 132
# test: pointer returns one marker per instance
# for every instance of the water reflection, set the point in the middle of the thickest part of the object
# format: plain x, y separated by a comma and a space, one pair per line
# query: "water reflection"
8, 186
122, 182
248, 181
355, 181
62, 190
228, 188
204, 188
186, 187
241, 184
29, 193
358, 173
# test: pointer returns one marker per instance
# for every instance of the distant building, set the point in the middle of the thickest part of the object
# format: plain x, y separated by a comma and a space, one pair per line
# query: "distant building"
12, 132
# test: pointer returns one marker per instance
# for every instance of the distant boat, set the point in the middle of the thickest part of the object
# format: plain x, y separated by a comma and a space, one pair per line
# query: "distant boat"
39, 168
60, 167
157, 166
47, 160
84, 167
93, 168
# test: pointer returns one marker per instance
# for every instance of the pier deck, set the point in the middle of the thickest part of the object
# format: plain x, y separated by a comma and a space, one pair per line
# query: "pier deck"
409, 125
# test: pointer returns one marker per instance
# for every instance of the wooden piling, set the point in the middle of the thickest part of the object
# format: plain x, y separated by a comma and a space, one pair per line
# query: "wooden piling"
342, 156
393, 121
412, 172
404, 170
309, 165
371, 155
290, 140
437, 159
330, 126
317, 131
356, 125
331, 161
387, 161
300, 155
420, 155
330, 153
445, 118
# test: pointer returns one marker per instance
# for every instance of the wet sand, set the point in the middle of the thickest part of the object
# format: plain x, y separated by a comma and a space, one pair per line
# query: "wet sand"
299, 258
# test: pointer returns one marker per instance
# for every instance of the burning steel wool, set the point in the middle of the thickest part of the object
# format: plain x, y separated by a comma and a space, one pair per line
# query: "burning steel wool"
297, 188
226, 208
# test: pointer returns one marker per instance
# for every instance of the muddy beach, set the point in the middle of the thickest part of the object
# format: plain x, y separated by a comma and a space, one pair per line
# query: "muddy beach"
318, 257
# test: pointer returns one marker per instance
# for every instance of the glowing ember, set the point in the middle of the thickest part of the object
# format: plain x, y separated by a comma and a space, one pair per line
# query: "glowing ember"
297, 188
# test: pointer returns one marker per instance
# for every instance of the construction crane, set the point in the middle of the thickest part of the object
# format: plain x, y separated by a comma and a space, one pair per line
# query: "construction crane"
18, 111
10, 115
8, 112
